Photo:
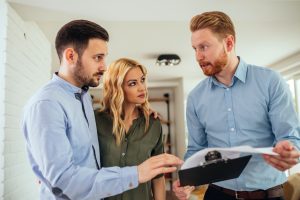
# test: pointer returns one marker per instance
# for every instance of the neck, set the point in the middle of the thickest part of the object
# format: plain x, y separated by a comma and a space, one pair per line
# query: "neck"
130, 112
225, 76
65, 74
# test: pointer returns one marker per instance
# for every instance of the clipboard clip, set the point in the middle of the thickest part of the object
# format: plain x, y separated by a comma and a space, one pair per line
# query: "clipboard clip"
213, 157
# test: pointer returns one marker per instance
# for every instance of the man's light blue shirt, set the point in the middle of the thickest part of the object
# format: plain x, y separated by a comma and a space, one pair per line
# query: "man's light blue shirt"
62, 145
256, 110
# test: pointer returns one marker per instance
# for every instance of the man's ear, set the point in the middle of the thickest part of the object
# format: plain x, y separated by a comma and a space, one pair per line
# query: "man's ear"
70, 55
229, 42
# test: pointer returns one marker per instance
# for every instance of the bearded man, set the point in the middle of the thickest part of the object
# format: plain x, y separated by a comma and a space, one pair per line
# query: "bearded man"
239, 104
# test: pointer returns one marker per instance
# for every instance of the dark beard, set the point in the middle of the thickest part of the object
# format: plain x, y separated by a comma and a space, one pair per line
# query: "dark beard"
82, 78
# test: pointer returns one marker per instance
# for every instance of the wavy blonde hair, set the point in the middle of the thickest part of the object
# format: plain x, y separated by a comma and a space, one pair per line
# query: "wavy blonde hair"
113, 95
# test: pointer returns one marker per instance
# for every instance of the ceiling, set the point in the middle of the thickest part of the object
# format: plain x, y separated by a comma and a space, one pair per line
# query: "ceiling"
268, 31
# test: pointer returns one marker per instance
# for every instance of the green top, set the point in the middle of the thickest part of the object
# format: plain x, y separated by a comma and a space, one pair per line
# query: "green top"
133, 150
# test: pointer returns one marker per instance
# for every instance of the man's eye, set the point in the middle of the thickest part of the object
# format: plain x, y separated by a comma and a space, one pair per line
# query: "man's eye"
204, 47
98, 58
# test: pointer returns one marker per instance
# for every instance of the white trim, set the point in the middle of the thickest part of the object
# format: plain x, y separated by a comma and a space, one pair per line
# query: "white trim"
3, 32
289, 66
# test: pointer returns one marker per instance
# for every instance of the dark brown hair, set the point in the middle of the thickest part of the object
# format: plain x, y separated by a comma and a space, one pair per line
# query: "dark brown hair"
77, 33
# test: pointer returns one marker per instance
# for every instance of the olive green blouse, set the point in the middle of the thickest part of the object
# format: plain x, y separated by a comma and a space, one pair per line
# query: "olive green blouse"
135, 148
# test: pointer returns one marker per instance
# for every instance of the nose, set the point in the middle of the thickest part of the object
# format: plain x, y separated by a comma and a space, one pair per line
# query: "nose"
199, 55
141, 87
102, 66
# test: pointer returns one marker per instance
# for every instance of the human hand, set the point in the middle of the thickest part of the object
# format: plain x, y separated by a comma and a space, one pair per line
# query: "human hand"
287, 158
160, 164
154, 113
182, 193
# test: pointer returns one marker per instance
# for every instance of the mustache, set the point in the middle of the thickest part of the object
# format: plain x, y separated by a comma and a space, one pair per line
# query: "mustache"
204, 63
99, 73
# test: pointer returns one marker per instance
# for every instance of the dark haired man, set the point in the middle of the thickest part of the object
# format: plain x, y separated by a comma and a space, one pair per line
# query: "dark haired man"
60, 130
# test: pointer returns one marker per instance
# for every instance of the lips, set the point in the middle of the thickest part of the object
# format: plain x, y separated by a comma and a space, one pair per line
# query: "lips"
204, 65
98, 75
141, 96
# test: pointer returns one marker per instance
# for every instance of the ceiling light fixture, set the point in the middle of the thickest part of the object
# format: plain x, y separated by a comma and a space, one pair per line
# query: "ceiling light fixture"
168, 60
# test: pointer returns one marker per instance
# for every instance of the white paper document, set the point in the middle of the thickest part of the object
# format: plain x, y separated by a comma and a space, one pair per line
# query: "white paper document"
227, 153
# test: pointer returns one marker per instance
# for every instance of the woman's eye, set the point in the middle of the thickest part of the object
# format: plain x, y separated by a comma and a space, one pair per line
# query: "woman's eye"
132, 84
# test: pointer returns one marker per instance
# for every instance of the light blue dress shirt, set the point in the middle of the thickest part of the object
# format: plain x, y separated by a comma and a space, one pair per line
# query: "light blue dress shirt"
62, 145
256, 110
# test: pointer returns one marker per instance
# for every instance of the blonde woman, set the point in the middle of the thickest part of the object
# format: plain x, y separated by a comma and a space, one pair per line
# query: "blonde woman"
127, 134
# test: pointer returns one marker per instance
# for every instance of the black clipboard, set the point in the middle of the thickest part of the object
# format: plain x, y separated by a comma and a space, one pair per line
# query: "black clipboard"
213, 172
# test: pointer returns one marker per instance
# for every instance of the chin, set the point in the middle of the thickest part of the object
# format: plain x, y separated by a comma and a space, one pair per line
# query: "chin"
94, 83
208, 73
140, 102
211, 72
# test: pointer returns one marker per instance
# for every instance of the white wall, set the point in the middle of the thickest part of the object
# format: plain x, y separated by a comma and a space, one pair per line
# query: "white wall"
179, 115
26, 66
3, 20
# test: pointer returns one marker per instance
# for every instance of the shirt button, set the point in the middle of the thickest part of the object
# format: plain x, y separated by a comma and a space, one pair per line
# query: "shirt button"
229, 109
227, 89
123, 154
232, 129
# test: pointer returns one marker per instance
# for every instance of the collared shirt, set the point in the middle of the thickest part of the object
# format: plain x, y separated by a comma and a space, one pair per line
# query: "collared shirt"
256, 110
135, 148
62, 145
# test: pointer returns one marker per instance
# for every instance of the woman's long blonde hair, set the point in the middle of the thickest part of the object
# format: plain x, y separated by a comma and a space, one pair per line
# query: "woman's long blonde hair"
113, 95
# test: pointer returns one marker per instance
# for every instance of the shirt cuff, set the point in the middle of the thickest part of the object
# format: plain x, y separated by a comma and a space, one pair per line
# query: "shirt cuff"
129, 177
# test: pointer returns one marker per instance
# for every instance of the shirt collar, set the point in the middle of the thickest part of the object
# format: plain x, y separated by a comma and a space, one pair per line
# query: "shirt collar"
241, 71
240, 74
68, 86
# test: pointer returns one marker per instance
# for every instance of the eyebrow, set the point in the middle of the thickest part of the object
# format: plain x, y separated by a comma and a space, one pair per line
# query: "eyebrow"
100, 54
203, 43
131, 80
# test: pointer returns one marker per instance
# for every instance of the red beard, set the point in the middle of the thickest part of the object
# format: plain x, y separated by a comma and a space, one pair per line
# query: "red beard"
210, 69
